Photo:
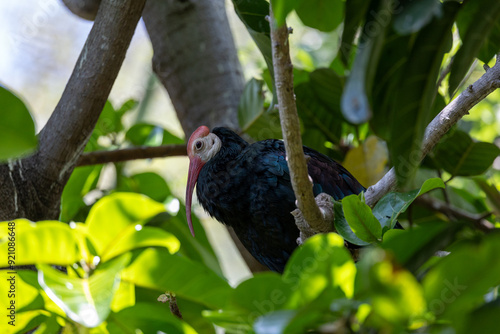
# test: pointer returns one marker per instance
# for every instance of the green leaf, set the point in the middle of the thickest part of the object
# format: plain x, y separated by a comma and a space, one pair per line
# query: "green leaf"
150, 135
17, 129
357, 92
156, 268
85, 300
388, 209
109, 217
281, 8
35, 243
416, 14
197, 249
361, 220
324, 15
321, 265
395, 295
147, 318
149, 184
458, 283
259, 295
252, 117
132, 238
342, 226
82, 180
412, 248
415, 94
355, 11
475, 23
484, 319
460, 156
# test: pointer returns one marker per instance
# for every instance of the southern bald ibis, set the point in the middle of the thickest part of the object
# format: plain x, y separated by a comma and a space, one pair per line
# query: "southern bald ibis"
247, 186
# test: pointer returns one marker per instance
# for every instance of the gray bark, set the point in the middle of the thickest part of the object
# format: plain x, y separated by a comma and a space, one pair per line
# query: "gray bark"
196, 60
32, 187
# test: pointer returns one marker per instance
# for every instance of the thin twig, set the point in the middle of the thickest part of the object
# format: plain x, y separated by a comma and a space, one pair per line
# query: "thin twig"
283, 76
479, 220
133, 153
441, 124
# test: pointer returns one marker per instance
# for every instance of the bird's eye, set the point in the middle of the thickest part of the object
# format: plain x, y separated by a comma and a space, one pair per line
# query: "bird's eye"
198, 145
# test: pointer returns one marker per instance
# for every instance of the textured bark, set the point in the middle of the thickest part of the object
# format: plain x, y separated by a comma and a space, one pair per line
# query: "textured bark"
290, 124
195, 59
32, 187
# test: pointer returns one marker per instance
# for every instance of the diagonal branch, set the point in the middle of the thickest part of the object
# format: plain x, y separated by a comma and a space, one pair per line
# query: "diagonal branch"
38, 181
441, 124
132, 153
283, 76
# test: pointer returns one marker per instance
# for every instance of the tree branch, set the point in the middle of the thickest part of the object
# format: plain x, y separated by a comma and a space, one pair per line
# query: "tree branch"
478, 220
441, 124
132, 153
283, 76
38, 181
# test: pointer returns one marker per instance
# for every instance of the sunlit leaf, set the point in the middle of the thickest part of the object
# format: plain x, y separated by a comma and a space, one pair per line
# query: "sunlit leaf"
342, 227
149, 184
281, 8
50, 242
112, 214
320, 265
130, 238
150, 135
17, 129
85, 300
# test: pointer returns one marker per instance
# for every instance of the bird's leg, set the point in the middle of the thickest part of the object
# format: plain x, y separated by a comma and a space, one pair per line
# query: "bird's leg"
325, 205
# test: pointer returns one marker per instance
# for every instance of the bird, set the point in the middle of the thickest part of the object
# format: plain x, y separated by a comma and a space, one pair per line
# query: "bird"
247, 186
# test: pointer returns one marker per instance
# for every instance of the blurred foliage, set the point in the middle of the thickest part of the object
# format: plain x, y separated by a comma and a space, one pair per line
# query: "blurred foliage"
121, 247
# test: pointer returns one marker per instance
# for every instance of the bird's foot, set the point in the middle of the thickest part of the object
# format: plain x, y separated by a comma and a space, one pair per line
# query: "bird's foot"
325, 205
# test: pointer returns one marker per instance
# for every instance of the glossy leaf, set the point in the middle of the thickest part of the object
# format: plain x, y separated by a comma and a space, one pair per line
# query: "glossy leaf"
17, 129
156, 268
132, 238
112, 214
85, 300
475, 23
388, 209
342, 227
324, 15
460, 156
361, 220
50, 242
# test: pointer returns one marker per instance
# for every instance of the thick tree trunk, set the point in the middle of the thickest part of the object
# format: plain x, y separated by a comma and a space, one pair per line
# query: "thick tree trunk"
196, 60
32, 187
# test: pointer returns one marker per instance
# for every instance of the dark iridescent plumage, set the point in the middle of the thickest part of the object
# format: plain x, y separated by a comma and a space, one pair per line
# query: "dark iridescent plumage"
248, 187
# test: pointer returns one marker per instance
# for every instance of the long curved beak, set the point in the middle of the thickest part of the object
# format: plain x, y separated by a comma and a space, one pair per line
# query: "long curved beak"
195, 165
